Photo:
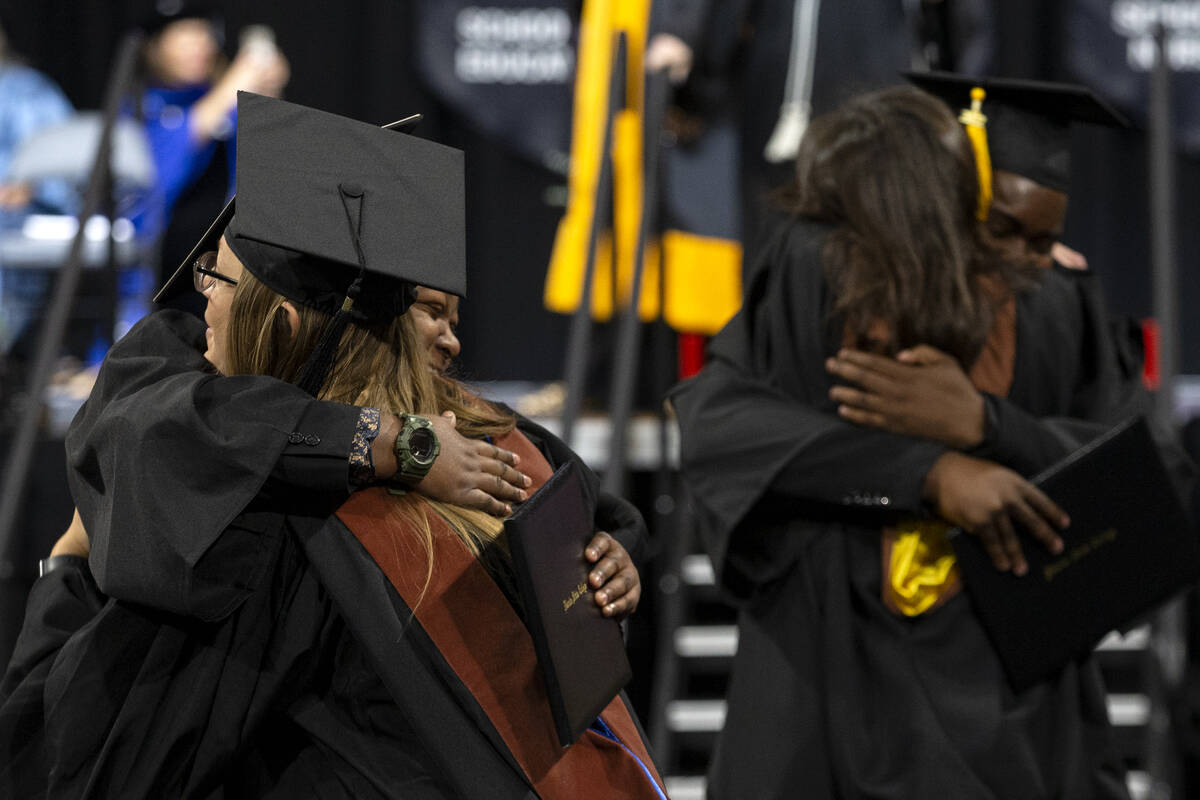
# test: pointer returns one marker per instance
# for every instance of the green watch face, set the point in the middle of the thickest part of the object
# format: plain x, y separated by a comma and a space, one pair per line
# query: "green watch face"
421, 444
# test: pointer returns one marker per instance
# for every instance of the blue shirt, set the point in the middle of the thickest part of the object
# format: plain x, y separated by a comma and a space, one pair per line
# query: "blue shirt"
179, 159
29, 102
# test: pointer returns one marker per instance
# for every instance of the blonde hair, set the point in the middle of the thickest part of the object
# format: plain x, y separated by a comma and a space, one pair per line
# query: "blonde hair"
377, 366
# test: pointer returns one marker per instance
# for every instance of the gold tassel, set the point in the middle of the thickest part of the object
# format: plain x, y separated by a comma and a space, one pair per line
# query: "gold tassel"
920, 571
975, 123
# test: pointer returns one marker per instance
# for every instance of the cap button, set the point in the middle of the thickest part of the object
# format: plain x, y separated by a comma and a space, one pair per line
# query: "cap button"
351, 189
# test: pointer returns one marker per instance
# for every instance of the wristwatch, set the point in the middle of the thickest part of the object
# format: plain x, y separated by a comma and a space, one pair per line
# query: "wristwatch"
416, 448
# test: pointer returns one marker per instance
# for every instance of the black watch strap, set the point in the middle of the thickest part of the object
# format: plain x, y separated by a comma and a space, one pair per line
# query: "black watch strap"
48, 565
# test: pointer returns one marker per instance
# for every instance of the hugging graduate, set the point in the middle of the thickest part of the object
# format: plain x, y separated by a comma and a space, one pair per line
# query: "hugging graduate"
249, 630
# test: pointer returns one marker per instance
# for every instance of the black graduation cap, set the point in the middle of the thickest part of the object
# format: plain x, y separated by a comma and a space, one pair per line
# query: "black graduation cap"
339, 215
313, 187
1028, 122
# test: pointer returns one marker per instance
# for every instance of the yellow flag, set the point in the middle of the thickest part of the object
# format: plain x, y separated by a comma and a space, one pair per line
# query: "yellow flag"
701, 283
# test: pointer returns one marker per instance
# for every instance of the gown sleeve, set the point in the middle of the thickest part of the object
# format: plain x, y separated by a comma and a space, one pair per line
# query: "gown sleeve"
744, 448
165, 454
60, 603
757, 426
1087, 379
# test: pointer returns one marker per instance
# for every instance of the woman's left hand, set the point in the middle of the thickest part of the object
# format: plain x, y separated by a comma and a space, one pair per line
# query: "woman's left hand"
922, 392
614, 579
74, 541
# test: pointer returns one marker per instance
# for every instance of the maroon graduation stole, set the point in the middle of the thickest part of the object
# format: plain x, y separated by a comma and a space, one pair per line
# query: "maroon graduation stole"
488, 647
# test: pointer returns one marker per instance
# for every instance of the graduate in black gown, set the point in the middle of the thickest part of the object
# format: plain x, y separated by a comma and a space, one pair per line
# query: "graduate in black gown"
857, 675
260, 649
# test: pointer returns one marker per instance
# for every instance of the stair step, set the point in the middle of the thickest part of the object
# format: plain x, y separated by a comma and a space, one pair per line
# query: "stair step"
708, 716
691, 787
685, 787
1128, 710
696, 716
1136, 639
697, 570
706, 641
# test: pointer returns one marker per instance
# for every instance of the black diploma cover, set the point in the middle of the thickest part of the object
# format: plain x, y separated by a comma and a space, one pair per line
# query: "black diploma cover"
581, 652
1129, 547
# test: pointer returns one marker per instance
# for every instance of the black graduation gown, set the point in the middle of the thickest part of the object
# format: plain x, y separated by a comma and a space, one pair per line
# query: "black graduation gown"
165, 454
59, 604
831, 694
320, 684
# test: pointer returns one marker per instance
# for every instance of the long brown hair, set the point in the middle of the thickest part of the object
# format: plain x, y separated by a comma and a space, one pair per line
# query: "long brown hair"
377, 366
894, 172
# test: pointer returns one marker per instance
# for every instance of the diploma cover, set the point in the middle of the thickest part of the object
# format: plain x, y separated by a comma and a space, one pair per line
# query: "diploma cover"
1128, 548
580, 651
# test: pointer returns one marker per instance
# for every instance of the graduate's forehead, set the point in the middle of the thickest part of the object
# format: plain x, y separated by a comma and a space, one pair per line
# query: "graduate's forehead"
227, 261
434, 297
1039, 209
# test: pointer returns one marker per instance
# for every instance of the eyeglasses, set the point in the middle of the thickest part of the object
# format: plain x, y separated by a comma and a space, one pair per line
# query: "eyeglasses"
205, 275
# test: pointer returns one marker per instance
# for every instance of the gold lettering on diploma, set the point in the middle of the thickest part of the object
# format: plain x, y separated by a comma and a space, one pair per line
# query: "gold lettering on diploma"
577, 593
1078, 553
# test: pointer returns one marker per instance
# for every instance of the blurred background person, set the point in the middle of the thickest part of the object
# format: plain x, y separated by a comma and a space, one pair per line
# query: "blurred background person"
29, 102
188, 107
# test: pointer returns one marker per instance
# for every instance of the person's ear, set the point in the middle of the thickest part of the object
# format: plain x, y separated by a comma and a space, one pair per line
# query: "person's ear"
293, 317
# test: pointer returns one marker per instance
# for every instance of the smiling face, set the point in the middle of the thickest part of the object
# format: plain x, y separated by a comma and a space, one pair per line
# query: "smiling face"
1026, 218
220, 298
435, 317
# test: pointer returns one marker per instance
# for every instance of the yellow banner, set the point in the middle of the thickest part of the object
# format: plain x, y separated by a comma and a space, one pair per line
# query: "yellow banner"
702, 287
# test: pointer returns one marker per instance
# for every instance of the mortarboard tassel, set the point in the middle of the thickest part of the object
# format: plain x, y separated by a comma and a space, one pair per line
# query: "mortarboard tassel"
975, 123
316, 369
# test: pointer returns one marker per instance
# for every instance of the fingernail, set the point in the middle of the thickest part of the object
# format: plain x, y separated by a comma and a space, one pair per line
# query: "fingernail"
522, 494
1058, 545
528, 480
1020, 569
609, 610
602, 597
591, 554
